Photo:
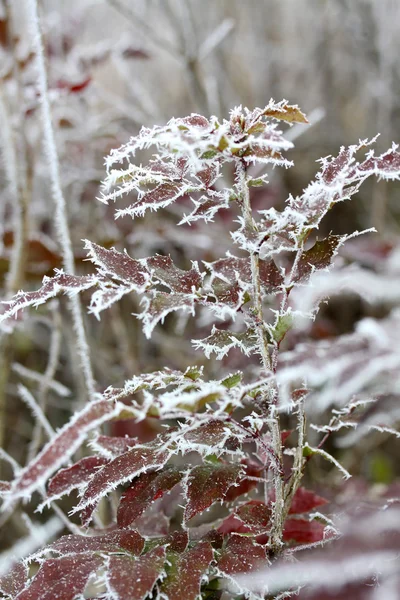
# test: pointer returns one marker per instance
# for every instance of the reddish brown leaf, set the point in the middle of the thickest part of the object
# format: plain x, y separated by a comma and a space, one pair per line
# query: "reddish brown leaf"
302, 531
124, 468
241, 555
206, 484
144, 490
118, 264
14, 582
134, 578
305, 500
61, 447
245, 485
112, 446
318, 257
175, 279
73, 477
186, 571
130, 540
62, 578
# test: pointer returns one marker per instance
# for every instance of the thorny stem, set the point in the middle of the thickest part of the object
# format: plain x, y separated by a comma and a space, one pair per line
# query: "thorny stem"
277, 520
58, 197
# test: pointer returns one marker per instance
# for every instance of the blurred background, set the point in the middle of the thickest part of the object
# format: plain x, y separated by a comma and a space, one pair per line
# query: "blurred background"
115, 65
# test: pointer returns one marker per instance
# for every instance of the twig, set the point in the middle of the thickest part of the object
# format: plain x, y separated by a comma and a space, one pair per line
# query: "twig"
61, 218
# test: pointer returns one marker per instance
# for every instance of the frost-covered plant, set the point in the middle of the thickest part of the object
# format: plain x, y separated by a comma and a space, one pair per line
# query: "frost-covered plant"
222, 441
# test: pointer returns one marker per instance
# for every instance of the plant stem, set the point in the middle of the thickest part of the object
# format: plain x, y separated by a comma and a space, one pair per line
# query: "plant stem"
272, 417
61, 218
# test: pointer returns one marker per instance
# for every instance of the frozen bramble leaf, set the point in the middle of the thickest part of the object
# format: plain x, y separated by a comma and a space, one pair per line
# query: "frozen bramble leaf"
146, 489
207, 484
185, 572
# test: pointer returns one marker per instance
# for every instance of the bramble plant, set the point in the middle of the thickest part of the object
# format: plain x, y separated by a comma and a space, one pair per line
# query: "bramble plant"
223, 441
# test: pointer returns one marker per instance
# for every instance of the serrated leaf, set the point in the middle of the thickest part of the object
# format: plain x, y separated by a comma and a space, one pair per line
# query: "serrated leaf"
241, 555
64, 578
175, 279
119, 265
145, 489
185, 572
61, 283
220, 342
318, 257
115, 541
61, 447
124, 468
134, 578
206, 484
159, 305
74, 477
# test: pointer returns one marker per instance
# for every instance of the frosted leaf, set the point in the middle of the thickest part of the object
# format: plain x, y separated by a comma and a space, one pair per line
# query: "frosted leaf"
60, 449
74, 477
119, 265
211, 436
111, 447
282, 111
364, 361
161, 197
206, 207
130, 578
191, 401
220, 342
115, 541
305, 501
160, 304
232, 268
241, 555
186, 572
252, 517
51, 287
124, 468
64, 578
14, 582
207, 484
164, 270
147, 488
303, 531
319, 256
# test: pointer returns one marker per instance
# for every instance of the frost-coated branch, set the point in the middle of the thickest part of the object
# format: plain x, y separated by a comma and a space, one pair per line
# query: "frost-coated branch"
61, 219
277, 518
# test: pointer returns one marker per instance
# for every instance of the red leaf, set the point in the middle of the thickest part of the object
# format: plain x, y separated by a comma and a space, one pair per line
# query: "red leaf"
118, 264
245, 485
304, 501
134, 578
176, 541
62, 578
124, 468
241, 555
66, 441
206, 484
109, 542
302, 531
252, 517
14, 582
186, 572
147, 488
175, 279
76, 476
111, 446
